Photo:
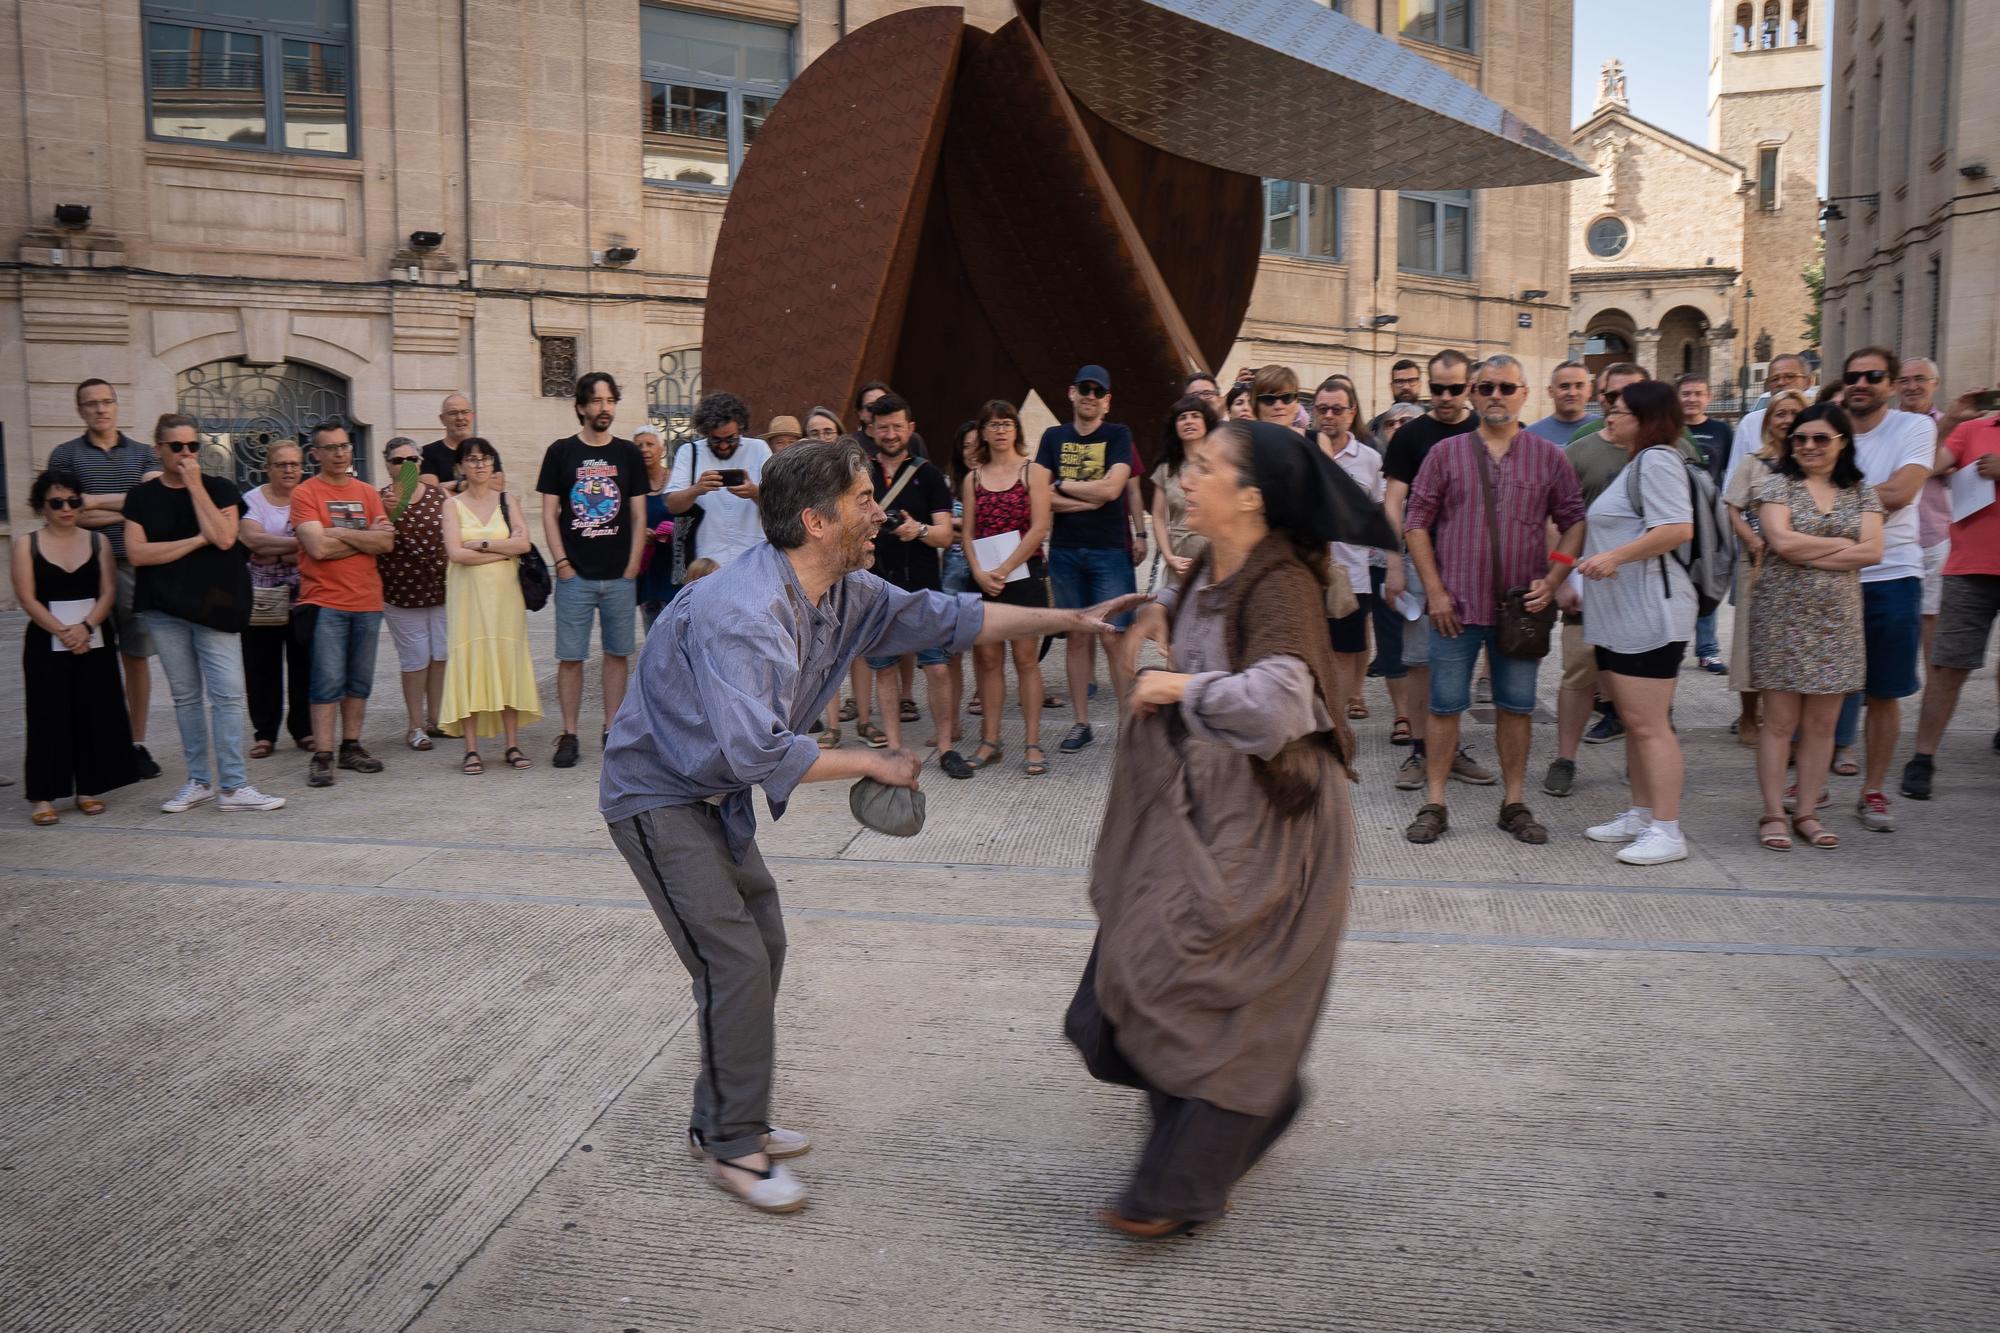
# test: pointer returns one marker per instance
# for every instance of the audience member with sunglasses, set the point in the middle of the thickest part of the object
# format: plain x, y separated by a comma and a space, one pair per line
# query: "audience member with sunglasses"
1450, 374
79, 741
194, 595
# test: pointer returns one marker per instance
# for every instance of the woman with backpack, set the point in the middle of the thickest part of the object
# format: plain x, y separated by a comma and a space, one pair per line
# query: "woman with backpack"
1639, 613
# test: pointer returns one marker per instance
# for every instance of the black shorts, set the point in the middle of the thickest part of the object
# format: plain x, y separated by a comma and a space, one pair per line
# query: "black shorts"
1662, 663
1350, 632
1030, 591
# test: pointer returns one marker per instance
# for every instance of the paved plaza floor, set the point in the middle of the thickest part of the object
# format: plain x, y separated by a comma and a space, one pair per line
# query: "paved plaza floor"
413, 1054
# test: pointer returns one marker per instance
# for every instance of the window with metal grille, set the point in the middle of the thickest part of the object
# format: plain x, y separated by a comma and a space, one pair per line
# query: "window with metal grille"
558, 367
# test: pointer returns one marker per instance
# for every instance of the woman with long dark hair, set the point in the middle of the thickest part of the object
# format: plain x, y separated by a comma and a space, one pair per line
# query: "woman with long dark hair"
1219, 917
1639, 612
1188, 423
1822, 525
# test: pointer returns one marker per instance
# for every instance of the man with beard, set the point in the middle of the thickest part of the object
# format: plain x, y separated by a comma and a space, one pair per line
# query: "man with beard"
742, 662
1405, 386
718, 472
593, 488
1897, 452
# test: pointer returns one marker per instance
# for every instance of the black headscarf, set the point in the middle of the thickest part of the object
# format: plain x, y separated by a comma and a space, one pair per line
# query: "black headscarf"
1306, 494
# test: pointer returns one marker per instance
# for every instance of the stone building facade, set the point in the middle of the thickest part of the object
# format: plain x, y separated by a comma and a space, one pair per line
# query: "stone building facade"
1689, 257
305, 207
1913, 185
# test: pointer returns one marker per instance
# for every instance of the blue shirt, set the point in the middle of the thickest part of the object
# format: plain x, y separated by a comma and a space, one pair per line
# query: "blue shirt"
735, 670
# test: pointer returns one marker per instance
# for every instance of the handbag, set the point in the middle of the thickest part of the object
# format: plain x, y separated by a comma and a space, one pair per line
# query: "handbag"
271, 606
532, 570
1517, 631
1340, 600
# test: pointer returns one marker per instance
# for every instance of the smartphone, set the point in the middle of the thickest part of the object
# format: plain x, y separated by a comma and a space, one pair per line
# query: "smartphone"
1988, 401
892, 518
733, 476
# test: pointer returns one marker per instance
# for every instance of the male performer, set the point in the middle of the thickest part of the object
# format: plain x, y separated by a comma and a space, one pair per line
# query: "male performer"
736, 669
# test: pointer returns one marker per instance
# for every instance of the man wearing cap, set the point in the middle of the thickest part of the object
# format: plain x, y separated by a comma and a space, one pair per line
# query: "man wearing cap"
734, 673
782, 433
1088, 460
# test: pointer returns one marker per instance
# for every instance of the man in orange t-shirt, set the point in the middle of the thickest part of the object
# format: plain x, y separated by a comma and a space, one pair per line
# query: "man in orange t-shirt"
1971, 600
341, 527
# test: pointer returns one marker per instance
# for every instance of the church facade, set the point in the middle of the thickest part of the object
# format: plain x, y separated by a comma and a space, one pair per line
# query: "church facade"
1691, 257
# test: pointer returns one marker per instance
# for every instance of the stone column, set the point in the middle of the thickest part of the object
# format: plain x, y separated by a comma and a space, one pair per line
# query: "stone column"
1646, 351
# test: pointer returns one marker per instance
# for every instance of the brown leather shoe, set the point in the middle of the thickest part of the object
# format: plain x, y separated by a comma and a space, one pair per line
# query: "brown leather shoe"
1143, 1228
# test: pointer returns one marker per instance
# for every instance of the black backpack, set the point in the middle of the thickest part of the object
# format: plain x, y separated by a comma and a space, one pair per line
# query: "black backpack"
1710, 557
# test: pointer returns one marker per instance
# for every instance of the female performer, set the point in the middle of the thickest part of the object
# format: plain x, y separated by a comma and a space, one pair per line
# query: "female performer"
1221, 876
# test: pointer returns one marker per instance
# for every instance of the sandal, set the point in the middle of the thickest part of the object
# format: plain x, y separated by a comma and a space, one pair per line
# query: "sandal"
1847, 768
1825, 838
976, 707
955, 765
1357, 708
44, 818
261, 750
907, 711
980, 759
418, 739
849, 711
472, 765
90, 805
830, 739
1780, 841
515, 759
1520, 821
1428, 826
872, 734
1400, 734
1036, 764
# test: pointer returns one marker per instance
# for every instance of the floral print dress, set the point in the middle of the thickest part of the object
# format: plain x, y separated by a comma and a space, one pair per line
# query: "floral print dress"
1805, 624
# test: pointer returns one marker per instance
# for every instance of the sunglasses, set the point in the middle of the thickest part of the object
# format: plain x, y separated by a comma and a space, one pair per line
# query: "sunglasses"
1273, 399
1491, 389
1871, 376
399, 461
183, 447
1089, 390
64, 502
1812, 438
1611, 396
1448, 390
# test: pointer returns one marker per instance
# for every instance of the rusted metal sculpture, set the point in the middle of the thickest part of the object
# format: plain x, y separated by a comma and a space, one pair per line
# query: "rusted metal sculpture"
970, 215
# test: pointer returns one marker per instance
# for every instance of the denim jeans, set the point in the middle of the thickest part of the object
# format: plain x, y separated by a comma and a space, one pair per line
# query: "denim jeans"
1705, 643
203, 662
343, 655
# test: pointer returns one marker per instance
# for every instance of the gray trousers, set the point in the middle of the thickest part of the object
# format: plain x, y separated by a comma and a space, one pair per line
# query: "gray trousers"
725, 923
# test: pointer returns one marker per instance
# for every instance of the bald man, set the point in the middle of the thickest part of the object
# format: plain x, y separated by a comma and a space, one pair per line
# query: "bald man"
439, 466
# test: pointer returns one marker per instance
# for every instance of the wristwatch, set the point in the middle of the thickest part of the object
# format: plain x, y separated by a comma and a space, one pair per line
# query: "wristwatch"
923, 531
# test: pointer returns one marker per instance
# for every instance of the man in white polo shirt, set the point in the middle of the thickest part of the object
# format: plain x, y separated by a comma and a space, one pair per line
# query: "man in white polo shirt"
1897, 452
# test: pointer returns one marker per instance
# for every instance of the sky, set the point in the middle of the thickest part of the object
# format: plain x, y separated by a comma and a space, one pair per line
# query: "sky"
1664, 44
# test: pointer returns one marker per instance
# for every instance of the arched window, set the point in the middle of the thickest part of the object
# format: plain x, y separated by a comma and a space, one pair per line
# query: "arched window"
1773, 18
1801, 9
243, 410
1740, 38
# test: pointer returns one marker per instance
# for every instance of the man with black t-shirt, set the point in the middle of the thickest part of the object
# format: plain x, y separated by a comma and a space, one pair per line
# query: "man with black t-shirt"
1405, 377
593, 488
917, 500
439, 462
1451, 414
1088, 461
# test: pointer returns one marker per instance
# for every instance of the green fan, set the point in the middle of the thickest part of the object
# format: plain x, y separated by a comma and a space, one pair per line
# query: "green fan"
406, 487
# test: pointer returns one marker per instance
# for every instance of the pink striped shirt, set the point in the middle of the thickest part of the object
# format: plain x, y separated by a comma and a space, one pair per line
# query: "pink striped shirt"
1532, 484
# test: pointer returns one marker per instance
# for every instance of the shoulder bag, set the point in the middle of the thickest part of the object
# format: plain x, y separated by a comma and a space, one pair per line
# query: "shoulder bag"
1517, 631
532, 570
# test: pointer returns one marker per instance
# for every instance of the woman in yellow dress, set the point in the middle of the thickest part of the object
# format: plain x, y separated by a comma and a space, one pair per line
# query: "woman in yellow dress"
489, 675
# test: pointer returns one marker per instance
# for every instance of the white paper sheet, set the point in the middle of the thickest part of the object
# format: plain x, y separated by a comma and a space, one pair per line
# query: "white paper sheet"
994, 550
1970, 492
75, 612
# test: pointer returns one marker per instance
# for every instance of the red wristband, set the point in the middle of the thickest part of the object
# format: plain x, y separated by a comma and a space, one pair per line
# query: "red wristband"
1560, 558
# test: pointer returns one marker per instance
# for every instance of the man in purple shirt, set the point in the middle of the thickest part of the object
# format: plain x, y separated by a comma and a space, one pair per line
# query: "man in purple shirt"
1449, 538
731, 676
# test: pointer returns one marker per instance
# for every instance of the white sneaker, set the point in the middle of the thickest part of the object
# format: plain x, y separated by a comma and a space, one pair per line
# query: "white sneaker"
188, 797
1654, 848
778, 1144
773, 1191
247, 797
1622, 829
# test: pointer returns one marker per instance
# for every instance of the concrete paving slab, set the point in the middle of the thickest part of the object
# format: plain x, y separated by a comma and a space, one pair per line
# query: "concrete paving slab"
1474, 1157
229, 1110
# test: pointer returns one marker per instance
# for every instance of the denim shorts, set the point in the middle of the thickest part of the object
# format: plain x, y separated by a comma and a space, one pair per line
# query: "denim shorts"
926, 657
343, 654
1083, 576
1453, 662
1892, 631
614, 603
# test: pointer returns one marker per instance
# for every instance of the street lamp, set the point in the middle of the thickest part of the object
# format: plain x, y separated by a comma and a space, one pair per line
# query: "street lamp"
1749, 295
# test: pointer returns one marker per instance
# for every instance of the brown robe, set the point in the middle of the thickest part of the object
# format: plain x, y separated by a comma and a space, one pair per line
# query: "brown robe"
1220, 914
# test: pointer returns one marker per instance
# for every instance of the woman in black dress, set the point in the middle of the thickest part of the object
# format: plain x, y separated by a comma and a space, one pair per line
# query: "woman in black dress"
79, 739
